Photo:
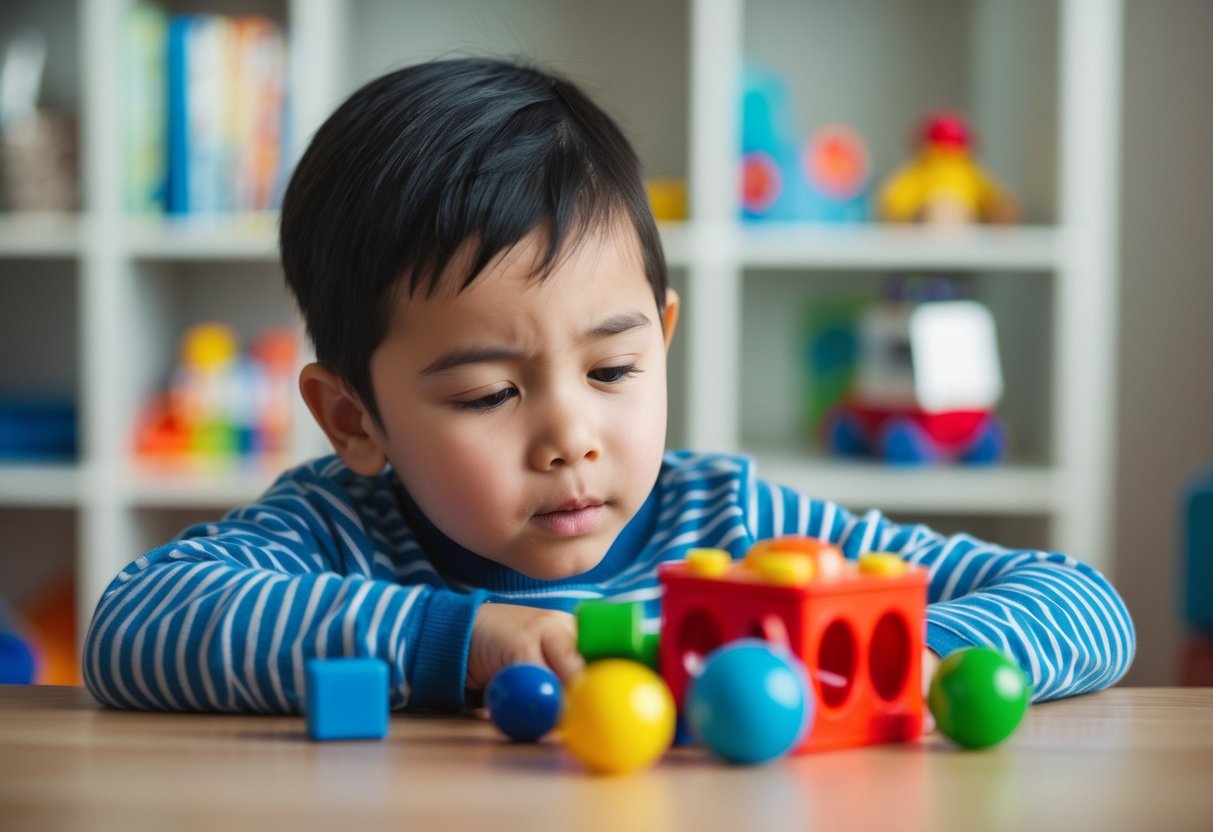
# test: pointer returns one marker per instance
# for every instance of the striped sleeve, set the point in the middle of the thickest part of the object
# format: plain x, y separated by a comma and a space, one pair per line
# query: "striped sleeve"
224, 618
1060, 619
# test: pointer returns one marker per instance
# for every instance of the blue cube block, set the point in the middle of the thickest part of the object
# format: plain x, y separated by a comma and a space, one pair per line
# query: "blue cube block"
346, 699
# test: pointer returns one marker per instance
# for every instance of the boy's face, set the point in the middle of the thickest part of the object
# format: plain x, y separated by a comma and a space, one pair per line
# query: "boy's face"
527, 417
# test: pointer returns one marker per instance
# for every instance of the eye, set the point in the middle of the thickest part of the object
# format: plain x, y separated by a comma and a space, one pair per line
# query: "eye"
490, 402
614, 375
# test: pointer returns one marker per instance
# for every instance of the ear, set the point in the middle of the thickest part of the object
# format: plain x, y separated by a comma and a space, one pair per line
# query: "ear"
669, 318
343, 418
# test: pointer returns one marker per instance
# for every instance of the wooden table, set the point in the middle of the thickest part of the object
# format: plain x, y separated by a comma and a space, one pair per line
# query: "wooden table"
1127, 758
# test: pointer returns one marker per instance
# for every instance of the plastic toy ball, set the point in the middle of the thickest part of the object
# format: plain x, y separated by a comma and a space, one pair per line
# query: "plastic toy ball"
978, 696
524, 701
619, 716
752, 703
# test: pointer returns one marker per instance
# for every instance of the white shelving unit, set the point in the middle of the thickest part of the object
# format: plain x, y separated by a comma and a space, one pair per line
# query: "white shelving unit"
668, 71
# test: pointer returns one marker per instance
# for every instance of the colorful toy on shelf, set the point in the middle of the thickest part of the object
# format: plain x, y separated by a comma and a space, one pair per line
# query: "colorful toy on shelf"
1196, 536
823, 179
49, 616
752, 703
944, 185
18, 664
346, 699
978, 697
668, 199
221, 404
524, 701
859, 634
618, 717
37, 428
926, 381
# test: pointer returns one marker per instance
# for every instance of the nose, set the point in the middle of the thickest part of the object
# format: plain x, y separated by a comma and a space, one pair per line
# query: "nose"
565, 434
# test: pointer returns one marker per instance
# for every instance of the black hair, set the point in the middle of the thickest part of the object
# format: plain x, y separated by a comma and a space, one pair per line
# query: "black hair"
423, 161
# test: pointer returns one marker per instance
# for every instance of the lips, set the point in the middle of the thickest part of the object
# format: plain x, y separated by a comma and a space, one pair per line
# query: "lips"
572, 517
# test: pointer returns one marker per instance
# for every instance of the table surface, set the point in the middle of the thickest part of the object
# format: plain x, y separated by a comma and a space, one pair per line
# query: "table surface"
1126, 758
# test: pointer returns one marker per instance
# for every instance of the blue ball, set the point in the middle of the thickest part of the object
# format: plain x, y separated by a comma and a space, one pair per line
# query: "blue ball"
752, 703
524, 701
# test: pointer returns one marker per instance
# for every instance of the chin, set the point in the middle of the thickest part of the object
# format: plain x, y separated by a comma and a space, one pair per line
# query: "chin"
560, 566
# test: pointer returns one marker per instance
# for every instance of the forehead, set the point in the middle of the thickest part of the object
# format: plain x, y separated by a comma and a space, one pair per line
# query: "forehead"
587, 272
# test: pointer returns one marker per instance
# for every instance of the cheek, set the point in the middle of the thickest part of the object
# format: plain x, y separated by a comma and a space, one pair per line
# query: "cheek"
457, 477
638, 426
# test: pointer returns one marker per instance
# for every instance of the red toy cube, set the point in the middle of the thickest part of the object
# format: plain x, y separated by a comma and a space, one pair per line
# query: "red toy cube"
859, 635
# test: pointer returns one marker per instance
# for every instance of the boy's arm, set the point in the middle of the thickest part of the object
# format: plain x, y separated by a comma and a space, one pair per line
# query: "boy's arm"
224, 619
1060, 619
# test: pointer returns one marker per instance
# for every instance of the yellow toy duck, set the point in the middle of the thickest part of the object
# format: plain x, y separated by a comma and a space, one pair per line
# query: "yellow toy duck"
944, 185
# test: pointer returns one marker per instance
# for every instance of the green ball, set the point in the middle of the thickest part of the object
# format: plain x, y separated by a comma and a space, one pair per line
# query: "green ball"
978, 696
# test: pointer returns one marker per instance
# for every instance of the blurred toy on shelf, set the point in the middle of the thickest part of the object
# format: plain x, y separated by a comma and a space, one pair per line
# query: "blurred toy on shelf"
18, 663
41, 429
50, 619
925, 383
38, 147
1196, 662
943, 184
828, 354
668, 198
222, 405
823, 179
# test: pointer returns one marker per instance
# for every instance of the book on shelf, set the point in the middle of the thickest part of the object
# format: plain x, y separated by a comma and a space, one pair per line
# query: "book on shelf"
208, 100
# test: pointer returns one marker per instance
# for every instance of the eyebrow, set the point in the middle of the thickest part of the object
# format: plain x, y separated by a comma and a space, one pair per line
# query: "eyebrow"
614, 325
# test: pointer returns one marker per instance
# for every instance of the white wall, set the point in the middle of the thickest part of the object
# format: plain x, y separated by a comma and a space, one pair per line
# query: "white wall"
1166, 348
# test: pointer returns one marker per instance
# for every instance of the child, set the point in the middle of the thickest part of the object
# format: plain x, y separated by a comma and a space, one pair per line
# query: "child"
472, 249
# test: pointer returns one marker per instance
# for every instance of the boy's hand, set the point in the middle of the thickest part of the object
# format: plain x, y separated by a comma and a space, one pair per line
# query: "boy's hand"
505, 634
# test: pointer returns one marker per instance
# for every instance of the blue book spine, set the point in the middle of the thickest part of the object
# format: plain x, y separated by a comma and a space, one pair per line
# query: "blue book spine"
178, 201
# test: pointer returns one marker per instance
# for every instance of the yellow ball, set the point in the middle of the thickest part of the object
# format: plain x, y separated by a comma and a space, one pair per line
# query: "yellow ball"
618, 717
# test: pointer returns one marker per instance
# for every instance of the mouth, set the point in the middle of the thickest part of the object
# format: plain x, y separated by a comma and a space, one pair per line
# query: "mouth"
572, 517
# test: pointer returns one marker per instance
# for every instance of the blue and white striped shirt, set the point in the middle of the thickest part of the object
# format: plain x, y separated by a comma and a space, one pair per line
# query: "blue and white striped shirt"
328, 564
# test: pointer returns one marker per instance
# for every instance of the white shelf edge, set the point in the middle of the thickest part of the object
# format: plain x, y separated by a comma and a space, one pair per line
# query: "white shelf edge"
676, 240
39, 235
39, 485
869, 246
142, 487
1012, 489
240, 237
874, 246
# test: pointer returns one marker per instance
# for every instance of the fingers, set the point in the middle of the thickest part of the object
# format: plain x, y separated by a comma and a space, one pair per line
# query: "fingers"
564, 660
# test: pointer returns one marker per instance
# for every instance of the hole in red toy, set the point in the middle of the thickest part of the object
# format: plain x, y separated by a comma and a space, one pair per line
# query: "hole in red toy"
699, 635
773, 629
835, 669
889, 656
